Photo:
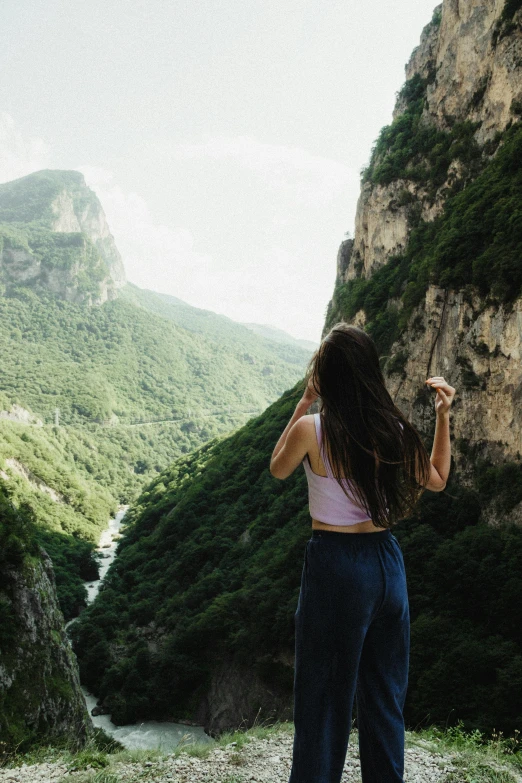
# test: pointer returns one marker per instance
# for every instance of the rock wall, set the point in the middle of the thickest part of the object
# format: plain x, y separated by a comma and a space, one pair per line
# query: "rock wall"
472, 57
54, 237
239, 697
456, 336
87, 216
472, 61
477, 66
40, 695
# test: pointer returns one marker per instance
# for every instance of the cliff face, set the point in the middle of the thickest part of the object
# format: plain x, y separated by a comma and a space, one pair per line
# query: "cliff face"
237, 694
54, 237
40, 695
470, 55
468, 70
78, 210
476, 56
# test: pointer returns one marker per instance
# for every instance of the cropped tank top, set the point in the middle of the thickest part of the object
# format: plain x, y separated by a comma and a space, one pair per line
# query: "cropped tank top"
326, 499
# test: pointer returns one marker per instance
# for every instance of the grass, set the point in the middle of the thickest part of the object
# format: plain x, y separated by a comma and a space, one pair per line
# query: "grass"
478, 758
102, 751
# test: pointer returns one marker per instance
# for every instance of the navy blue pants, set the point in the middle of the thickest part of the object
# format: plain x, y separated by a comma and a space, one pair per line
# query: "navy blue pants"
352, 639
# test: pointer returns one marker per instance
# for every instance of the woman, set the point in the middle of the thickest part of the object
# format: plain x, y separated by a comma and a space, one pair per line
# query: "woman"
366, 466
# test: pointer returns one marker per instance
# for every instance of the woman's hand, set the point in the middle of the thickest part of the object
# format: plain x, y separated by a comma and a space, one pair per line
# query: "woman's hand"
309, 395
444, 396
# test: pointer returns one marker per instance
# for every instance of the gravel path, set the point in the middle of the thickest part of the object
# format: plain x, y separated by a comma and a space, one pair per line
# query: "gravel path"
258, 761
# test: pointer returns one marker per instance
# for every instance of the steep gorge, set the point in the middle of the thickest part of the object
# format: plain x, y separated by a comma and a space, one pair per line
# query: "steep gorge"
207, 578
102, 386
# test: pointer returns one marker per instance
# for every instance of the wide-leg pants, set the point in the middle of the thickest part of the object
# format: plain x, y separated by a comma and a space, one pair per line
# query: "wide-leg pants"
352, 639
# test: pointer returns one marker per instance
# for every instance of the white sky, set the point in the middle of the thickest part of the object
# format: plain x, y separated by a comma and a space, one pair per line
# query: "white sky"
224, 137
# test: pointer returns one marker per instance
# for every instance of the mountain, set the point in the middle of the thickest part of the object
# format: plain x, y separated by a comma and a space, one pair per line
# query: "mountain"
118, 357
196, 618
132, 381
273, 333
102, 387
54, 237
434, 270
220, 328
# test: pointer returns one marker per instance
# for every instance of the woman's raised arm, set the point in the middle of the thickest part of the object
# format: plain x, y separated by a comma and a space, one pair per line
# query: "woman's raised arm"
441, 451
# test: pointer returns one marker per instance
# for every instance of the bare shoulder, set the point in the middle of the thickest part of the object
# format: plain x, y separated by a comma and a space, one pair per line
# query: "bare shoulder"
307, 420
305, 427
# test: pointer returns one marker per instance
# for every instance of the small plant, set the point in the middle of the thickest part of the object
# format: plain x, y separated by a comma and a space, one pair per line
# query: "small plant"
104, 777
396, 364
461, 739
88, 758
237, 759
516, 107
437, 17
481, 348
470, 379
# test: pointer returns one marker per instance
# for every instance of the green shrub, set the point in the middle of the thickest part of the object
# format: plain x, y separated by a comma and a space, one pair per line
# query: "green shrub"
413, 150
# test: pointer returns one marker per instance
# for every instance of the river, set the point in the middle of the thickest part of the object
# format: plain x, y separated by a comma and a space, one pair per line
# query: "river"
149, 734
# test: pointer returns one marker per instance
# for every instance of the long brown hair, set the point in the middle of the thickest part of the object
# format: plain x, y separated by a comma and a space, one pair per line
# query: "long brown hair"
364, 440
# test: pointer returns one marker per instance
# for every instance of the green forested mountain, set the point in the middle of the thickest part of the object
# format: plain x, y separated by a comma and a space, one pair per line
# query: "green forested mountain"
133, 380
208, 571
46, 471
278, 335
122, 364
54, 238
277, 344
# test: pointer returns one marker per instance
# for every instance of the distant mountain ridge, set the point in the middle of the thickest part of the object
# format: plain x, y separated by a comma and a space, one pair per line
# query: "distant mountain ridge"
219, 327
279, 335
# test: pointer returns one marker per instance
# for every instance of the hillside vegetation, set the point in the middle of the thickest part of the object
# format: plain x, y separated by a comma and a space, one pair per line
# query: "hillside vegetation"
40, 696
70, 508
209, 569
211, 565
218, 328
133, 383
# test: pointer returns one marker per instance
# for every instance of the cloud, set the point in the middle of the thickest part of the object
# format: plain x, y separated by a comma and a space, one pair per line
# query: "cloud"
19, 155
291, 170
155, 255
264, 290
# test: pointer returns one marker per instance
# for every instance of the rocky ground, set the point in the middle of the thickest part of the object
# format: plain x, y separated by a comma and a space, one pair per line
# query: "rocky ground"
266, 760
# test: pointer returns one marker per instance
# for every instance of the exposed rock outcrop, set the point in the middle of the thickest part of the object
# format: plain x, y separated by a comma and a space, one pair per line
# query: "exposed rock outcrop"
238, 694
456, 336
54, 237
470, 58
73, 215
470, 55
22, 415
40, 694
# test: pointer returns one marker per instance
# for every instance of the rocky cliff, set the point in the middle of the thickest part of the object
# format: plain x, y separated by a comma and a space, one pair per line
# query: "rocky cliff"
40, 695
469, 62
54, 237
460, 106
